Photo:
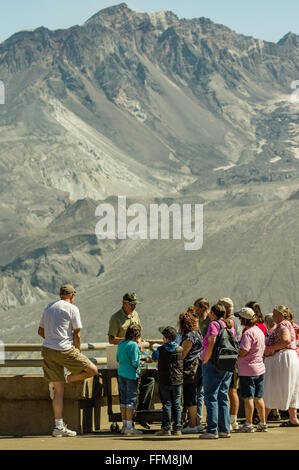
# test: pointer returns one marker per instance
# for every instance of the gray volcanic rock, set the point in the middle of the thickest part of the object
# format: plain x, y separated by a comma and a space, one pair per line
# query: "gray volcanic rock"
159, 109
248, 253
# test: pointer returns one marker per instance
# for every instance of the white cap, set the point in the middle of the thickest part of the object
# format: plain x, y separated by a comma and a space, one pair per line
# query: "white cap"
247, 313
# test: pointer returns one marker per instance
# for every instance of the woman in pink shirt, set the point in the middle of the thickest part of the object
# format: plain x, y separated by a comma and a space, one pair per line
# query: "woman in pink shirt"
282, 368
216, 382
251, 369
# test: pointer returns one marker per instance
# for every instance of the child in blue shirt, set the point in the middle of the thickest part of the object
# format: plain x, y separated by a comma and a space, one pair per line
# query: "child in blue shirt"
128, 357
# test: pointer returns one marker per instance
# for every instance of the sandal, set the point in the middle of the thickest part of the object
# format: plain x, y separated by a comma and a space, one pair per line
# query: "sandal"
289, 424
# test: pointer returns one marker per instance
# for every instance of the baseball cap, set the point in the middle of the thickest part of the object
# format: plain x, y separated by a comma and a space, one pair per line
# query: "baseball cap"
67, 289
247, 313
226, 301
131, 297
169, 332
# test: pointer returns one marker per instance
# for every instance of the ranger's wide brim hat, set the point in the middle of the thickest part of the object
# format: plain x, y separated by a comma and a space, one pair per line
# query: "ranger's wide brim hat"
131, 297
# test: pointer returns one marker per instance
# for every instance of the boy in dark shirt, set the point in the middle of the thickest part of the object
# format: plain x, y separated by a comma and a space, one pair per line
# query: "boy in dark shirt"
170, 380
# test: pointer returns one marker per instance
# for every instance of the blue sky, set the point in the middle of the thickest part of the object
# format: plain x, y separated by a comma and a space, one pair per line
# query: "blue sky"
263, 19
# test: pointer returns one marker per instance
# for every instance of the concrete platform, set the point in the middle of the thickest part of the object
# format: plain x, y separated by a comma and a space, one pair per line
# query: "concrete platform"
276, 438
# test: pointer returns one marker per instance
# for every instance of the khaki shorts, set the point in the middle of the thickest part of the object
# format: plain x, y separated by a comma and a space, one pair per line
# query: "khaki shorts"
55, 361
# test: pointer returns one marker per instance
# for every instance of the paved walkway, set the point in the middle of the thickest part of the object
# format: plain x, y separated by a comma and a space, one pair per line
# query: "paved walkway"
276, 438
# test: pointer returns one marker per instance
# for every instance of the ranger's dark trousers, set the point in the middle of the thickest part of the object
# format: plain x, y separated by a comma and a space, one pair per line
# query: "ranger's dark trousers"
146, 390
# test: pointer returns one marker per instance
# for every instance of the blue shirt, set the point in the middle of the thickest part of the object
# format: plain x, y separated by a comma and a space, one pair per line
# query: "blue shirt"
169, 346
128, 356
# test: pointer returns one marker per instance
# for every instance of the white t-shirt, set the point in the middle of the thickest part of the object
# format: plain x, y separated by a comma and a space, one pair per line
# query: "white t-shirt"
59, 320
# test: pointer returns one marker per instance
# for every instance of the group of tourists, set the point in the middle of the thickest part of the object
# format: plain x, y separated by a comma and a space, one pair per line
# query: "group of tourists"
210, 354
259, 357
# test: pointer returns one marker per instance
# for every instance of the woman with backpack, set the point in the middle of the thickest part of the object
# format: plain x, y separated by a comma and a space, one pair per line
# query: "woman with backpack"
215, 381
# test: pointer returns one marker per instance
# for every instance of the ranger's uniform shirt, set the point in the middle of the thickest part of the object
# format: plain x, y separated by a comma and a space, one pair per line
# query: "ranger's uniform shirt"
120, 322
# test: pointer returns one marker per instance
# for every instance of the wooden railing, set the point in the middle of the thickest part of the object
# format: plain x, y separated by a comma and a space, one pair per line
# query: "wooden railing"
99, 361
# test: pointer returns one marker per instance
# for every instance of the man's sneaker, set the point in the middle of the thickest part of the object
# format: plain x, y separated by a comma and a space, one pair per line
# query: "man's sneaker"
225, 434
234, 426
64, 432
200, 427
176, 432
195, 430
144, 424
51, 390
207, 435
163, 432
246, 428
262, 427
132, 432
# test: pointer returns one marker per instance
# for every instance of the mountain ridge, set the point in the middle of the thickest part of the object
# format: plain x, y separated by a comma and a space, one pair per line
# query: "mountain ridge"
149, 106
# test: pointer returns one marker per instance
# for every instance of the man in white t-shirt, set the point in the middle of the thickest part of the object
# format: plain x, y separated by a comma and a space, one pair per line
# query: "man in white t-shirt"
60, 327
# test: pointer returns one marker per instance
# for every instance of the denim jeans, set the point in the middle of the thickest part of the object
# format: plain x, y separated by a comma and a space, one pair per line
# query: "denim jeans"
171, 396
216, 385
127, 389
252, 387
200, 395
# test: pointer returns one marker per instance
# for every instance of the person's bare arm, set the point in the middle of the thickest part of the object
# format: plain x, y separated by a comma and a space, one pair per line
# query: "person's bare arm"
210, 348
186, 345
284, 342
41, 332
243, 353
77, 338
285, 339
139, 342
114, 339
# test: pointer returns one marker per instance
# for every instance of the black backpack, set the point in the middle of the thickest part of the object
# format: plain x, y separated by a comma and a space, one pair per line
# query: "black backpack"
226, 350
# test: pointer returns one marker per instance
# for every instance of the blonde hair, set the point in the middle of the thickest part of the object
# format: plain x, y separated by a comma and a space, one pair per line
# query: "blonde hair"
283, 310
202, 302
290, 316
192, 309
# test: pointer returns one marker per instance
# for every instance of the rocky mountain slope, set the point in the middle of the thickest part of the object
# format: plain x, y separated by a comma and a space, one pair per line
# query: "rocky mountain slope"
153, 107
248, 253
